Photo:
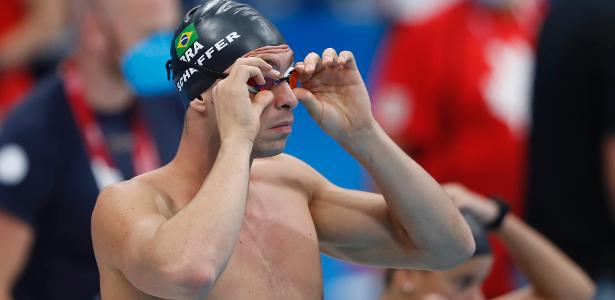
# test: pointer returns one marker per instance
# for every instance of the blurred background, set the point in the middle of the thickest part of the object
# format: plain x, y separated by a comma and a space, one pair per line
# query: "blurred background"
456, 83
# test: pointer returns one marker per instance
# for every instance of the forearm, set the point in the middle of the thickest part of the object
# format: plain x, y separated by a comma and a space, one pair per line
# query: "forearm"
204, 232
432, 222
551, 273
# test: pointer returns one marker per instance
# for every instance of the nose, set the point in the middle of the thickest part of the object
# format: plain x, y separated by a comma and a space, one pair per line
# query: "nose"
283, 97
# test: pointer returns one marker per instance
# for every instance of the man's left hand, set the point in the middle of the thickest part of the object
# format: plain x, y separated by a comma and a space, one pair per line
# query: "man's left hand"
334, 94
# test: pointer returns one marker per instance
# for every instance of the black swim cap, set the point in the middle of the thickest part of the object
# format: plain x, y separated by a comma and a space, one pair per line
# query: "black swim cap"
213, 35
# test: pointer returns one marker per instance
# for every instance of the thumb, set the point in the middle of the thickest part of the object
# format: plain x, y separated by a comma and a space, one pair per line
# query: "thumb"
261, 100
310, 102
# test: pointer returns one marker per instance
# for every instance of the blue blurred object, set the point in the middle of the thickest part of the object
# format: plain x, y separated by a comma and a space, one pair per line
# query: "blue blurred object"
144, 66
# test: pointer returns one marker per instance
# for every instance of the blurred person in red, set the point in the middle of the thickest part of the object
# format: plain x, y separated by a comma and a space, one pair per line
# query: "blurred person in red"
80, 129
453, 89
27, 27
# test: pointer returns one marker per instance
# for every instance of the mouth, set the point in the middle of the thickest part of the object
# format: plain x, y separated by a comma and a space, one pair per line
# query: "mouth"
283, 126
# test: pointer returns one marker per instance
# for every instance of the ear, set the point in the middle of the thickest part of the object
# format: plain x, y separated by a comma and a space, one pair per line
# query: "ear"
199, 104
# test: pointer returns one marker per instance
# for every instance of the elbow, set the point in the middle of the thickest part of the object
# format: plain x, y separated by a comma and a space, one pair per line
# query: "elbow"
453, 254
467, 248
462, 247
589, 292
188, 281
196, 283
584, 290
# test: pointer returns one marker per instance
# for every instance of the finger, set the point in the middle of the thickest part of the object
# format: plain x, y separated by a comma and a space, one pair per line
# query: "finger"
265, 67
301, 71
261, 100
346, 59
244, 72
302, 67
310, 102
329, 56
311, 61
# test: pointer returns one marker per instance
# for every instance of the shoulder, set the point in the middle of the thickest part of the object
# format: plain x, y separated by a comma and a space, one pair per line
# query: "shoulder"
123, 206
122, 210
289, 170
124, 197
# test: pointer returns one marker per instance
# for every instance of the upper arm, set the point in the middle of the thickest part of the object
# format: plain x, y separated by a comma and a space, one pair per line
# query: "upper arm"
354, 225
124, 224
15, 242
358, 226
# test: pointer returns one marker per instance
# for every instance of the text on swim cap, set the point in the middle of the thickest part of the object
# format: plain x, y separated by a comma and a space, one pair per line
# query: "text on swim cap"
195, 50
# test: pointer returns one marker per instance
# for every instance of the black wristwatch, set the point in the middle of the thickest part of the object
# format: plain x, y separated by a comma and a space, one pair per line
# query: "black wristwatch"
503, 209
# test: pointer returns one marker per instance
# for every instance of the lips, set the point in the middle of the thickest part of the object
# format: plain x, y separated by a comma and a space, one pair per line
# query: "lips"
283, 123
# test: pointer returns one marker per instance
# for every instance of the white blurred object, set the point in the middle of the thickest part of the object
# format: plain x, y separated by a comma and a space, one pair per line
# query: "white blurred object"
507, 88
14, 164
414, 11
393, 107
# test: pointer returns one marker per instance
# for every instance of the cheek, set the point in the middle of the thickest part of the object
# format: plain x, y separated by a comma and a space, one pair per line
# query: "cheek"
267, 115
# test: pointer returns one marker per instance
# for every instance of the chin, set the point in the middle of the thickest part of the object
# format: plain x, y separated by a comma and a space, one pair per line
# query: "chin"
262, 150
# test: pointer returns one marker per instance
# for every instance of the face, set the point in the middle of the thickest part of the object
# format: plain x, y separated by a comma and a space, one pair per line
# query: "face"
277, 118
129, 21
110, 28
461, 283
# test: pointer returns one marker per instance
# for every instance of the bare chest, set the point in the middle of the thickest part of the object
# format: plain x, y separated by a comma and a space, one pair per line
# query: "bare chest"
277, 253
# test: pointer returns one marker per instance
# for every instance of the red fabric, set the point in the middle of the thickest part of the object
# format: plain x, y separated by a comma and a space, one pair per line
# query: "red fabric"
14, 84
438, 68
145, 155
11, 13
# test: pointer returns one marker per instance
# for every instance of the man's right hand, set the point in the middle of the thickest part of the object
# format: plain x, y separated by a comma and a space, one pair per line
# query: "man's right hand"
237, 115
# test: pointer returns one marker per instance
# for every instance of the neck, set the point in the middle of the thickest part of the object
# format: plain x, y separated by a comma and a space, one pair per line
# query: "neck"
104, 88
197, 152
196, 155
198, 148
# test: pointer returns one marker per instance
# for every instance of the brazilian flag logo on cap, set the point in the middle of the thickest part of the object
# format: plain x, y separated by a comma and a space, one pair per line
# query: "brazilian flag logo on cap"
185, 39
